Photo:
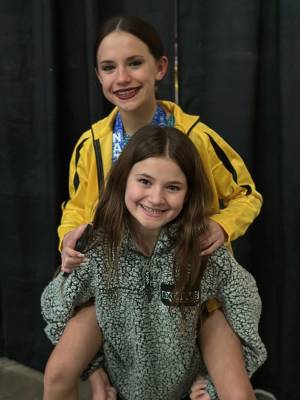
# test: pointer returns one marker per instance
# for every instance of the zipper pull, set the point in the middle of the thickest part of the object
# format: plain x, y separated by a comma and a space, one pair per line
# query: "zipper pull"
148, 285
147, 278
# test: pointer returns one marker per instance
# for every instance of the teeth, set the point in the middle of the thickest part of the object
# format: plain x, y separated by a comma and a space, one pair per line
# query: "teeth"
152, 210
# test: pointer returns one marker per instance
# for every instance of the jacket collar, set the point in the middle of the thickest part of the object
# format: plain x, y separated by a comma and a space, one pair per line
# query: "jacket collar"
183, 121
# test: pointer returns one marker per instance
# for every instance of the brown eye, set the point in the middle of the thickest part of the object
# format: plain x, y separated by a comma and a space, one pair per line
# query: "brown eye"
173, 188
135, 63
144, 182
107, 68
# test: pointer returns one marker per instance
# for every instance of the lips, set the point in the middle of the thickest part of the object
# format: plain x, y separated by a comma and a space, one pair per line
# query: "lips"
126, 94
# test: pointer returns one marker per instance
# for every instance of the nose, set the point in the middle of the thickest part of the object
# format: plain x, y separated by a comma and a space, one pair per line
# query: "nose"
156, 196
122, 75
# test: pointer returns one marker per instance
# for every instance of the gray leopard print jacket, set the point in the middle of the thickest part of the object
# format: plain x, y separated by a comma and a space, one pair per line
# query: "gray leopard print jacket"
148, 352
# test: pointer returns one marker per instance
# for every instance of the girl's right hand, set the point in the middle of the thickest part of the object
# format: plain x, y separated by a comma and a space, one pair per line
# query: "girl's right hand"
198, 390
70, 258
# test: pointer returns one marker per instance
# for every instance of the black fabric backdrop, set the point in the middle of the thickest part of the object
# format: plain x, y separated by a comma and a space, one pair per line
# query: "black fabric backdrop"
238, 68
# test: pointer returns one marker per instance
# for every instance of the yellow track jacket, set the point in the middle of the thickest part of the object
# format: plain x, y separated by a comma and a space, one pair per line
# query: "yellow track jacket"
236, 201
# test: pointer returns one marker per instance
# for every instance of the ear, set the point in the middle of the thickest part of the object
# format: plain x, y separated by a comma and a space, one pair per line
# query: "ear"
162, 67
98, 75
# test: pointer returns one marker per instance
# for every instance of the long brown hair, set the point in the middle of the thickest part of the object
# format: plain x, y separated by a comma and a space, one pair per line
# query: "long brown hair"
112, 217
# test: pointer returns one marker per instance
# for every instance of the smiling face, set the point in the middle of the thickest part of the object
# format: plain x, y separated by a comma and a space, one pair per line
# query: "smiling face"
155, 193
128, 71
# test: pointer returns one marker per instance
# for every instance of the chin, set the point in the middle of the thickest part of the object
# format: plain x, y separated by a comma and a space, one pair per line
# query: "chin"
128, 105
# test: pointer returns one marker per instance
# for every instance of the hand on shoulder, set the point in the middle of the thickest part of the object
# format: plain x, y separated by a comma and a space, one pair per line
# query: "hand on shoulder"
71, 258
212, 239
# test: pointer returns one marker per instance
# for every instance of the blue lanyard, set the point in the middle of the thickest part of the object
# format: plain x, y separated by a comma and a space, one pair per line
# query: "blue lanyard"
121, 138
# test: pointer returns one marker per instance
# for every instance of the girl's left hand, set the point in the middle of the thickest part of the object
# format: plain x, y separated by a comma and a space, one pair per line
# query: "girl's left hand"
198, 390
212, 239
101, 388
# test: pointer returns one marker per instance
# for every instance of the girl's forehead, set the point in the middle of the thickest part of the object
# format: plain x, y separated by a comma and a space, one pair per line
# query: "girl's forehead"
158, 165
120, 42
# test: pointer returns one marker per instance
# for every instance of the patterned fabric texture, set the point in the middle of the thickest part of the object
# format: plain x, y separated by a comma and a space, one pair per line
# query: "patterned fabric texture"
149, 351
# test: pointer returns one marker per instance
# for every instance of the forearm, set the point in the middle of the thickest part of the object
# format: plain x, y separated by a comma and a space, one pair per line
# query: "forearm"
238, 214
231, 182
83, 189
73, 216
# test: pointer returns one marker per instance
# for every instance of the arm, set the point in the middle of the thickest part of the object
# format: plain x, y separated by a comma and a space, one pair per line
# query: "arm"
231, 182
78, 209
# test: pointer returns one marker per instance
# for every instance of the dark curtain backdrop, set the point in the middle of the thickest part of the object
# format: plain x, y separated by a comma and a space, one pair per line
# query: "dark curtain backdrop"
238, 69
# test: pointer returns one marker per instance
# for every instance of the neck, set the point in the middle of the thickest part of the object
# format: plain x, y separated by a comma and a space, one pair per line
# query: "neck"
132, 121
145, 246
144, 240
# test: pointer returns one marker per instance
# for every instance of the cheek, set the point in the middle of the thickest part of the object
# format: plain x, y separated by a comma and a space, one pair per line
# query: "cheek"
149, 76
104, 84
130, 195
105, 81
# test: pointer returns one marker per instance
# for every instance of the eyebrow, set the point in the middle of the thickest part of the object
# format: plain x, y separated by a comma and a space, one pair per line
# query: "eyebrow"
144, 175
127, 59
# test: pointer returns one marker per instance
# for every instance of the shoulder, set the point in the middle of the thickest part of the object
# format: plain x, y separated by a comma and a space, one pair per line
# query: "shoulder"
204, 136
221, 257
84, 141
206, 140
98, 130
104, 126
218, 266
224, 270
200, 134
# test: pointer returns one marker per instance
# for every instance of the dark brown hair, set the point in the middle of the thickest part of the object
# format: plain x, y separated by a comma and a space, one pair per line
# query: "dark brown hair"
137, 27
112, 216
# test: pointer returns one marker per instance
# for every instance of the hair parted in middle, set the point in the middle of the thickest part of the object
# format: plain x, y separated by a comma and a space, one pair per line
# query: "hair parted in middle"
112, 216
136, 27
